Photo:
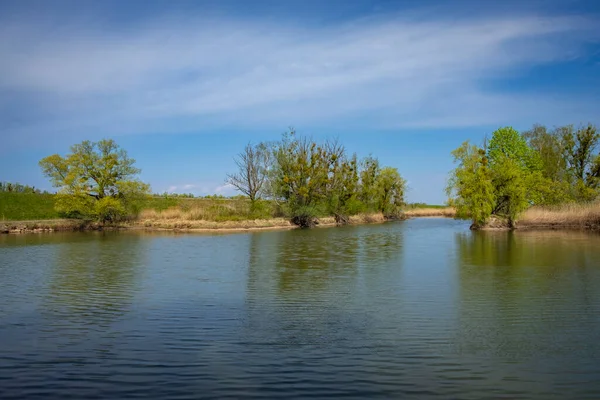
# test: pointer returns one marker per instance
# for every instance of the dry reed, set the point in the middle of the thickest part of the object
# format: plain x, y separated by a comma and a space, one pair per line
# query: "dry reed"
431, 212
200, 211
585, 216
200, 219
210, 225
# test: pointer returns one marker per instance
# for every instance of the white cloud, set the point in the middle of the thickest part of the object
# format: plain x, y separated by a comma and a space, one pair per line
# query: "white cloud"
226, 189
189, 75
203, 189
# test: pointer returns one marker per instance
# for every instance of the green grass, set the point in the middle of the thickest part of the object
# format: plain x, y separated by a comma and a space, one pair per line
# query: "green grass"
160, 203
26, 206
31, 206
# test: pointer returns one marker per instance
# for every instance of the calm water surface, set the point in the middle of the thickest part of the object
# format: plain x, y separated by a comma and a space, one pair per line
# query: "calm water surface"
416, 309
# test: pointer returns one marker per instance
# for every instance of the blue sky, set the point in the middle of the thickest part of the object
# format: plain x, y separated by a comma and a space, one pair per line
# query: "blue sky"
183, 86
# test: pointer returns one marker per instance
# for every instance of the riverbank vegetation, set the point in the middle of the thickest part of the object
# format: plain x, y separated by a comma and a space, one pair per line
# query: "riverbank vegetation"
428, 211
295, 180
305, 180
539, 177
571, 215
27, 206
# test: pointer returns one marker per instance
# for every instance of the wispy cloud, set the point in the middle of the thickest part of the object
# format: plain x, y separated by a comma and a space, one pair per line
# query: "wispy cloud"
202, 189
226, 189
188, 75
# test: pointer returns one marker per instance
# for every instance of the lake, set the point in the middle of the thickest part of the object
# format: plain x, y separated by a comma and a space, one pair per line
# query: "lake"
422, 309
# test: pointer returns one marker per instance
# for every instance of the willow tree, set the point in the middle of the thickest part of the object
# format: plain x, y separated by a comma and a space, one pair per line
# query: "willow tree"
369, 173
301, 177
342, 190
470, 184
513, 164
549, 147
390, 191
579, 150
96, 180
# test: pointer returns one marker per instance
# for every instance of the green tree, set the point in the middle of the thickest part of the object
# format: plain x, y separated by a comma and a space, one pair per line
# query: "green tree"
508, 143
96, 180
470, 185
369, 174
549, 147
300, 177
342, 185
579, 147
544, 191
310, 179
510, 190
390, 191
513, 164
593, 175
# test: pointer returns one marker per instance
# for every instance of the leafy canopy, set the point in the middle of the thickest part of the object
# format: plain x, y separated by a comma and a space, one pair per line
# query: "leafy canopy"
470, 185
515, 171
96, 180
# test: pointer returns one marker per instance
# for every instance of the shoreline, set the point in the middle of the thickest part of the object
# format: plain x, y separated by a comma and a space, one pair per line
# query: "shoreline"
154, 223
541, 227
581, 217
191, 226
55, 226
533, 219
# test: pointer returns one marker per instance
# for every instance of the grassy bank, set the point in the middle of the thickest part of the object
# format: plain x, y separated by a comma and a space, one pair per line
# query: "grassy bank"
197, 219
33, 206
26, 206
165, 221
35, 213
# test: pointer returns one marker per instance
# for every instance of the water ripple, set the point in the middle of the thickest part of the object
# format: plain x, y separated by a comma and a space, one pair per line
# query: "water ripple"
419, 309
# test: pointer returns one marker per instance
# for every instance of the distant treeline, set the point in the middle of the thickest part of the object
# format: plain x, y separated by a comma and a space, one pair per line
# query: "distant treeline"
18, 188
516, 170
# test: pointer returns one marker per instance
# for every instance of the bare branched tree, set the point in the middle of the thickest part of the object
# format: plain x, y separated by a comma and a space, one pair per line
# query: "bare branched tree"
253, 164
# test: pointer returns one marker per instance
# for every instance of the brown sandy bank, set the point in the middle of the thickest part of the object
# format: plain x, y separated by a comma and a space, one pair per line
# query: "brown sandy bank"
174, 224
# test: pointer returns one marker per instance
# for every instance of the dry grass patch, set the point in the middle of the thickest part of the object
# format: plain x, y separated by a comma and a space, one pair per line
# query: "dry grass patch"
585, 216
187, 224
371, 218
201, 210
431, 212
189, 220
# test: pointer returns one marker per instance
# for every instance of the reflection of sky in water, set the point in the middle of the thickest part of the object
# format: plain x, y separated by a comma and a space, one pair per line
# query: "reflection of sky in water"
422, 307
